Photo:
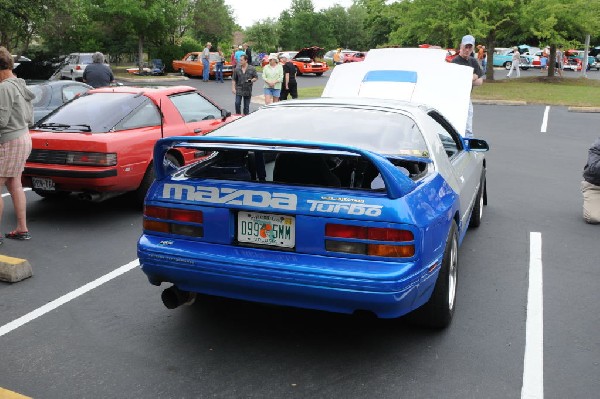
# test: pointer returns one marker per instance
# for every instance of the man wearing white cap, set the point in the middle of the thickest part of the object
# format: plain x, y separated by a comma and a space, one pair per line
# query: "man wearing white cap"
465, 58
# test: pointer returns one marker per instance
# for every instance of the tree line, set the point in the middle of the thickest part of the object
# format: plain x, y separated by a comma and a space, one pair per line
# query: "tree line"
168, 29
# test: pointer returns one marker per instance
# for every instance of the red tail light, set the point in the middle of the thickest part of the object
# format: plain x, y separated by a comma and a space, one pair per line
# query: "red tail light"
174, 221
364, 241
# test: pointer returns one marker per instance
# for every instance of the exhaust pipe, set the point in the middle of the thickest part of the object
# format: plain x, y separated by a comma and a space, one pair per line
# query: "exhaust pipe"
173, 297
97, 197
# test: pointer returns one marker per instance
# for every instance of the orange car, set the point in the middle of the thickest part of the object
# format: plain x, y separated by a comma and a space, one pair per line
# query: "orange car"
305, 61
191, 65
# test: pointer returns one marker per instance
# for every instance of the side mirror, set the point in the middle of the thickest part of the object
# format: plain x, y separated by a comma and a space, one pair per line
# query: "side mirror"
225, 114
477, 145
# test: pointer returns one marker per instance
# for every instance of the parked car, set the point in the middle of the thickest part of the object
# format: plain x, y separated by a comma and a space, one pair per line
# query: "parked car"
100, 144
504, 59
369, 221
74, 65
191, 65
355, 57
578, 55
306, 61
265, 59
328, 57
51, 95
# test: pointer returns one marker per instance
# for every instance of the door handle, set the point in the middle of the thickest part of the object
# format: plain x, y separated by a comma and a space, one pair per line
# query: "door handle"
197, 130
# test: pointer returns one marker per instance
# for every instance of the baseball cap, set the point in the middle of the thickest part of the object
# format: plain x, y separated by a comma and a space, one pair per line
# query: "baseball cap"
273, 57
467, 39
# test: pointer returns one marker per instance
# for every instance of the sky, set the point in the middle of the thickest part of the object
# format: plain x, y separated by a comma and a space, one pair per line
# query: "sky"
247, 12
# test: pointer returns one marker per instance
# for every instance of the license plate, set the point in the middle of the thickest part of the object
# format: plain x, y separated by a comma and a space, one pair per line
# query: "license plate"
43, 183
266, 229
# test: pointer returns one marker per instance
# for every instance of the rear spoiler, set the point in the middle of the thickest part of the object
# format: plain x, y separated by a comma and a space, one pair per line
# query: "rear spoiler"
396, 182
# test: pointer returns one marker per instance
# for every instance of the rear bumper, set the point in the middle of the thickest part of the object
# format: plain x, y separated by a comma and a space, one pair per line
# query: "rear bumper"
288, 279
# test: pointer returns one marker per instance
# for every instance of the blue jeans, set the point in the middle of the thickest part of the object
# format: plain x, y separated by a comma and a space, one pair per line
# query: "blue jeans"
205, 69
238, 103
219, 71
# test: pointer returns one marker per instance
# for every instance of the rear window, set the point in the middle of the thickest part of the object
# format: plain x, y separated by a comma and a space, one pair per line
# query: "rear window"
380, 131
85, 59
101, 113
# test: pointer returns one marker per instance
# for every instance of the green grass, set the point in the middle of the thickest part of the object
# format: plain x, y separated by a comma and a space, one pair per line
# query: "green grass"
579, 92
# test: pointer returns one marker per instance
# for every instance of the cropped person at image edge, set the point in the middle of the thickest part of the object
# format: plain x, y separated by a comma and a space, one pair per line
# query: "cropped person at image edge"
16, 115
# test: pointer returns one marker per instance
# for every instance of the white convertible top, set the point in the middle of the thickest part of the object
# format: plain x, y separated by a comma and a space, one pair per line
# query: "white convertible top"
418, 75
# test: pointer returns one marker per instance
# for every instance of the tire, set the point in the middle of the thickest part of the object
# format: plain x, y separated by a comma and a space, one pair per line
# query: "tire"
477, 212
319, 73
298, 73
524, 68
181, 72
438, 311
148, 179
507, 65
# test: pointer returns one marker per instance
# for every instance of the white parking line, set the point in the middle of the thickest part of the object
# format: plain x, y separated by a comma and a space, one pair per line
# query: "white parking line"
7, 194
5, 329
545, 119
533, 368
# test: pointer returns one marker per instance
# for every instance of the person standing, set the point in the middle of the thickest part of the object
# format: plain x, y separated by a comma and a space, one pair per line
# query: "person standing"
516, 60
98, 74
338, 58
273, 77
590, 186
559, 61
289, 85
242, 80
219, 65
232, 59
240, 51
206, 62
248, 52
465, 58
16, 115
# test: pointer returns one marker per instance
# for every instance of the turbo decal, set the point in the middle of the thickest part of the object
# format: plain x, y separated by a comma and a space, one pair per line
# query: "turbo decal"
215, 195
350, 209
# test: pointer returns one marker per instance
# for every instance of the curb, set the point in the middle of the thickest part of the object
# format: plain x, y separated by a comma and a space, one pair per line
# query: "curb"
499, 102
154, 80
584, 109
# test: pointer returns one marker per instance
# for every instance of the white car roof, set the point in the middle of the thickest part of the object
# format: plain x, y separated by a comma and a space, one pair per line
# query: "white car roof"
410, 74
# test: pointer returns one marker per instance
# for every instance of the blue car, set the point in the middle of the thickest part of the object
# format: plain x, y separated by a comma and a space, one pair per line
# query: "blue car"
288, 206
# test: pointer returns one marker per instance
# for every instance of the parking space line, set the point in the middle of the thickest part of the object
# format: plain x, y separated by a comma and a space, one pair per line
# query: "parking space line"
5, 329
6, 394
24, 189
545, 119
533, 368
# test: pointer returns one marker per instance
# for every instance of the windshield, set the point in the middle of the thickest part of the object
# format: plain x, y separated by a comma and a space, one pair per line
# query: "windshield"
376, 130
97, 112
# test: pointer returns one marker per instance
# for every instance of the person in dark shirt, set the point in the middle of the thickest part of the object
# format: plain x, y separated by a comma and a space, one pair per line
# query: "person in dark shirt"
98, 74
244, 76
465, 57
590, 186
289, 85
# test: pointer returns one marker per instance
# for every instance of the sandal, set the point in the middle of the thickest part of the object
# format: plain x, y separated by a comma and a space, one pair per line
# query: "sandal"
18, 235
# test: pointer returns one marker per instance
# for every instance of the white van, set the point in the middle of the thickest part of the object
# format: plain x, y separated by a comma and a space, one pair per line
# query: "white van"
74, 65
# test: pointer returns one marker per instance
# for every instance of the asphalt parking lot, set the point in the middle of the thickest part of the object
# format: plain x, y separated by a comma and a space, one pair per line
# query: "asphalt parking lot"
88, 324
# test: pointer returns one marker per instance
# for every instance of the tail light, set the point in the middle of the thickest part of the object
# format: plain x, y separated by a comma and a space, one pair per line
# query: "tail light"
371, 241
173, 221
78, 67
92, 158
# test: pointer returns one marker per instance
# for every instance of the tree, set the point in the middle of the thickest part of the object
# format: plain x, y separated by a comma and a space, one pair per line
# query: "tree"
263, 35
213, 21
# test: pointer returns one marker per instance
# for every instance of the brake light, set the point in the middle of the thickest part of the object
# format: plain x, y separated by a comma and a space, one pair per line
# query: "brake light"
78, 67
174, 221
91, 158
397, 243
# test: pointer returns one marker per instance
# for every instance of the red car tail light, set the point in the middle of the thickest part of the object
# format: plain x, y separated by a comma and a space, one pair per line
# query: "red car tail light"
175, 221
366, 241
91, 158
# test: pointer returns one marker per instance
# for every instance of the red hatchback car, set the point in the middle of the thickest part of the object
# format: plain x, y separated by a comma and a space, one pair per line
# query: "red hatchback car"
100, 145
